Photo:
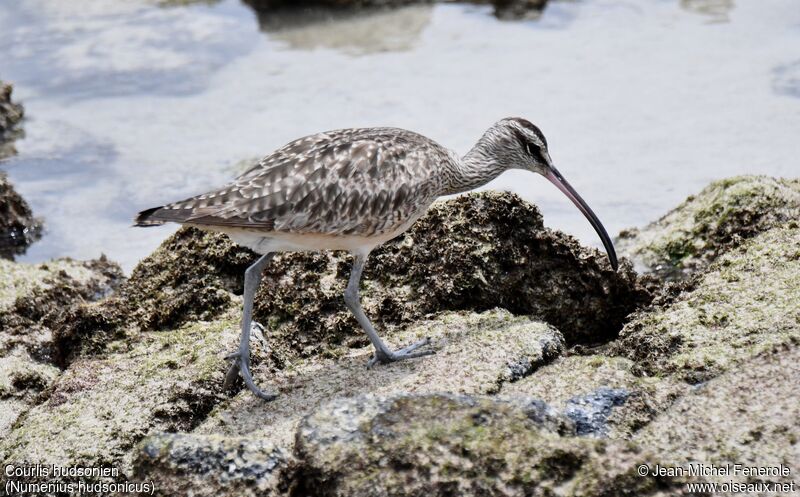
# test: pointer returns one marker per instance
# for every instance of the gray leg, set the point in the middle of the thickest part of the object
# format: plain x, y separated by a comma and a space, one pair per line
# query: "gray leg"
241, 358
382, 353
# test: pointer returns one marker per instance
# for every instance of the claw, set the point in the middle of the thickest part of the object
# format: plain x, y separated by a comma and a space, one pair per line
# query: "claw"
402, 354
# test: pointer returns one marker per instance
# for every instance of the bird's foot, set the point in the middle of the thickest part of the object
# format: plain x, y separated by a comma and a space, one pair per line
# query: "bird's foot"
241, 364
409, 352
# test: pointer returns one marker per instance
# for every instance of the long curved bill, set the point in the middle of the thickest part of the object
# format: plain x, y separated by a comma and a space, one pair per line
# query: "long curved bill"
555, 177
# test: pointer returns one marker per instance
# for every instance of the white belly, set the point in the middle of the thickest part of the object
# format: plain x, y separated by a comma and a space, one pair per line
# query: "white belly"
266, 242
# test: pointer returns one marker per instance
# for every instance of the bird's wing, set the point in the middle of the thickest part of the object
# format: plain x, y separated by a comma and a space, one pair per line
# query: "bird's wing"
345, 182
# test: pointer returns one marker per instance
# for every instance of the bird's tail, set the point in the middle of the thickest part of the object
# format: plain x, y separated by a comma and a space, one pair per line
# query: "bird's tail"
149, 217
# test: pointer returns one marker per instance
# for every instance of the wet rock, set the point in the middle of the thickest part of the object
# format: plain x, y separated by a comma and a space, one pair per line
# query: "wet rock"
600, 393
10, 116
437, 445
503, 9
518, 9
101, 407
748, 416
18, 227
475, 354
181, 464
744, 305
590, 412
706, 225
265, 5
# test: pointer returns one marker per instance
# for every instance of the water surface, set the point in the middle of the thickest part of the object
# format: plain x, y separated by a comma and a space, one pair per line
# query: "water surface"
131, 104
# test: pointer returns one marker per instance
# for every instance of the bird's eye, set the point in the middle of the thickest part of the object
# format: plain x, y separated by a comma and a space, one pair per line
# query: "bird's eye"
533, 150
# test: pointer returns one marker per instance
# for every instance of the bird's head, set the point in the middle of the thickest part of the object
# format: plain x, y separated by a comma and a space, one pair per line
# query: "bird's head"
518, 144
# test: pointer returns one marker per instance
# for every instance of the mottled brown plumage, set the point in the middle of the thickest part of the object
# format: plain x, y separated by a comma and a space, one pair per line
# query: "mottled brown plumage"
353, 189
362, 182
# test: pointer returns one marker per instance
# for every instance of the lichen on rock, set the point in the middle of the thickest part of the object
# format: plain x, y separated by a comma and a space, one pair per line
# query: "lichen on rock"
602, 390
705, 226
748, 416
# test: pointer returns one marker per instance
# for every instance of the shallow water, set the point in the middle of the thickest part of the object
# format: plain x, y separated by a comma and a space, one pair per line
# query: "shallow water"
643, 102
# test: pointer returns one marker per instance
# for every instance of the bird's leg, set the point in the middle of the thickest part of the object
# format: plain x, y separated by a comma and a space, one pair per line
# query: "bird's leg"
241, 358
382, 353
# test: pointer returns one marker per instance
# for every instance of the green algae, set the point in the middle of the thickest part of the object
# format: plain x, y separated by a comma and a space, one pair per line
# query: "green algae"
745, 304
708, 224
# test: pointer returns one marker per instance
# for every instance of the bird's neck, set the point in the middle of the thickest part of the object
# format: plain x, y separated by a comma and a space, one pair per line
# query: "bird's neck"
478, 167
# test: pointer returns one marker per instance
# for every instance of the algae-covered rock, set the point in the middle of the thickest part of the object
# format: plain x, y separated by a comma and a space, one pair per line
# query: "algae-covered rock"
101, 407
602, 394
475, 354
200, 465
11, 114
193, 276
708, 224
30, 295
745, 304
440, 445
749, 416
33, 297
18, 226
474, 252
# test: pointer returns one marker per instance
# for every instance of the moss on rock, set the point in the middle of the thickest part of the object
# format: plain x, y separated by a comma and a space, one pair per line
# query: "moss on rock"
33, 298
30, 296
708, 224
745, 304
193, 276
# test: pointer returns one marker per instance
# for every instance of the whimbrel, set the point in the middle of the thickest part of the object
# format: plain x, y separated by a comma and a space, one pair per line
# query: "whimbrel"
354, 189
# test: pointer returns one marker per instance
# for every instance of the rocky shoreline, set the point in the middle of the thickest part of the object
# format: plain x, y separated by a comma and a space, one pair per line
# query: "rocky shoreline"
553, 374
18, 226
